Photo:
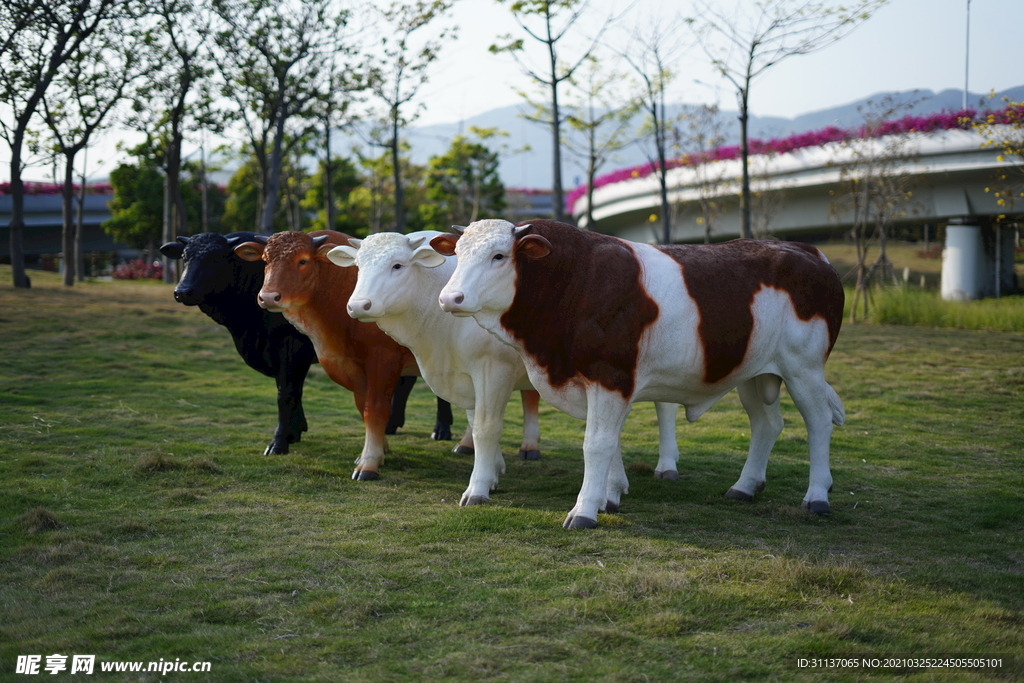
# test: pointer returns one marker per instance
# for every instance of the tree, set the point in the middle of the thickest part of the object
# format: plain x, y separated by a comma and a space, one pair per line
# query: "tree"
138, 203
743, 46
273, 56
44, 35
397, 81
1003, 131
556, 18
702, 135
601, 116
328, 193
83, 94
875, 190
650, 53
462, 185
372, 204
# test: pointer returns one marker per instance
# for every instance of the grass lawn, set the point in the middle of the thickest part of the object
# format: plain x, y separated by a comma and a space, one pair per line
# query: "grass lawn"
140, 521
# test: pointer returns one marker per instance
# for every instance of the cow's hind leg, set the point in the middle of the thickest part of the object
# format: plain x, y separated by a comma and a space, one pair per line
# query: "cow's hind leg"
765, 427
530, 450
465, 445
668, 449
292, 368
820, 406
399, 399
443, 422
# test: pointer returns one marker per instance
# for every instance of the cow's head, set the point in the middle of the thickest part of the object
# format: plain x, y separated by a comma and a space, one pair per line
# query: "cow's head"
388, 264
293, 262
212, 267
484, 280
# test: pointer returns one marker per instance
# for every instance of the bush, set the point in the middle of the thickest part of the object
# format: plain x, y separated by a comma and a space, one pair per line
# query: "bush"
138, 270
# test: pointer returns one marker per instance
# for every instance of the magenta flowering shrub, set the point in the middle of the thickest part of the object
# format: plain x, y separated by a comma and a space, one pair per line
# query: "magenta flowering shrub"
57, 188
958, 120
138, 269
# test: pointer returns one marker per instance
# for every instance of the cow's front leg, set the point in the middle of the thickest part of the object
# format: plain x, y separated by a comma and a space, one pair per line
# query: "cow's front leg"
488, 463
375, 407
821, 408
616, 486
292, 367
606, 414
668, 449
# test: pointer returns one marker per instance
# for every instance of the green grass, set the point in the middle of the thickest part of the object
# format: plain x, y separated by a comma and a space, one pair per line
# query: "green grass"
139, 520
912, 306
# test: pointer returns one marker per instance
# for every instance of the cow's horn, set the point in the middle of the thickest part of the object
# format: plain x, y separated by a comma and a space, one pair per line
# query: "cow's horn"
319, 240
234, 240
354, 242
459, 229
262, 239
416, 241
183, 240
519, 231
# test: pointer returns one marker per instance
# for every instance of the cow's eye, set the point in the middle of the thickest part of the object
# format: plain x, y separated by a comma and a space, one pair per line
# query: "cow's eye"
499, 257
397, 266
302, 262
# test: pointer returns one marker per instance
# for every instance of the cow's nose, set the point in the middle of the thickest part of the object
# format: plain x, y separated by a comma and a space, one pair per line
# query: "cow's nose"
451, 300
179, 295
357, 306
269, 298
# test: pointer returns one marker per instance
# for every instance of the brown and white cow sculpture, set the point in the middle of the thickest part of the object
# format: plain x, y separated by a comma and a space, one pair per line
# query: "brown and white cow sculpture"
602, 323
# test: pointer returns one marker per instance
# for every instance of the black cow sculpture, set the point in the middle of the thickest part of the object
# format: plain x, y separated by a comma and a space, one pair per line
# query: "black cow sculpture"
225, 288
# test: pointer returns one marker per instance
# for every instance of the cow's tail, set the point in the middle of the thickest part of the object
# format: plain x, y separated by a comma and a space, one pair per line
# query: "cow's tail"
836, 404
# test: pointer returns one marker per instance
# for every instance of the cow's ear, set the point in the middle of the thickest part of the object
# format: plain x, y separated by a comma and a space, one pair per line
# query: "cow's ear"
444, 244
249, 251
173, 250
324, 249
533, 246
427, 257
343, 256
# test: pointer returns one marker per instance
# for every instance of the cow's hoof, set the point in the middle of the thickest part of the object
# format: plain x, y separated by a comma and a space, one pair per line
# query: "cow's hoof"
276, 448
474, 500
441, 433
818, 507
579, 522
611, 508
669, 475
463, 450
736, 494
391, 430
365, 475
529, 455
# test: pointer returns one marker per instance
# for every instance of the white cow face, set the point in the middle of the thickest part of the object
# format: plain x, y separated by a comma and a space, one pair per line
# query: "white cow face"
387, 263
484, 281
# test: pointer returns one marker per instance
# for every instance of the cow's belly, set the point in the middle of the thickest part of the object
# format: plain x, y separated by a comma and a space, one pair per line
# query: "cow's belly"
570, 398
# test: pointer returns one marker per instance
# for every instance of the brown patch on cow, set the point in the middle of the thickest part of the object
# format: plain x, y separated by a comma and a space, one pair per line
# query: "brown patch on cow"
581, 310
723, 278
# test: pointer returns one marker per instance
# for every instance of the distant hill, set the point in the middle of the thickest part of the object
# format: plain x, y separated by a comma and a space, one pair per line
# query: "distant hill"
532, 169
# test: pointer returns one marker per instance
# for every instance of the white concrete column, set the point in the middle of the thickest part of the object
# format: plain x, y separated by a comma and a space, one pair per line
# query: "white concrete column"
962, 263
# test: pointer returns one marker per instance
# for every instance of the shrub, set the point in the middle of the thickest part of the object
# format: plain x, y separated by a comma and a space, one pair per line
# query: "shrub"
138, 270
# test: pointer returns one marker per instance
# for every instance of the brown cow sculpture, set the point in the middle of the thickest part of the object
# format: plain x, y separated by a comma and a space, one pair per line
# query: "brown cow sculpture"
601, 323
311, 291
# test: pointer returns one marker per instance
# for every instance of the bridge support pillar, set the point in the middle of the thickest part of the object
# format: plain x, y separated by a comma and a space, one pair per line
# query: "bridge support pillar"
962, 265
977, 261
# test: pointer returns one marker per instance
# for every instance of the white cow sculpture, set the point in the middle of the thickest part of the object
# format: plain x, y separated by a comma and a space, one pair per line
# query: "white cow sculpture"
601, 323
400, 279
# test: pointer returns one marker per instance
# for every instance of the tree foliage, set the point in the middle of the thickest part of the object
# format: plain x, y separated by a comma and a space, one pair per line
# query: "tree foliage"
462, 185
1003, 131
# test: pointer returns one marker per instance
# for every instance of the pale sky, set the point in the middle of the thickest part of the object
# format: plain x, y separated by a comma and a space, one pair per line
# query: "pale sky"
906, 45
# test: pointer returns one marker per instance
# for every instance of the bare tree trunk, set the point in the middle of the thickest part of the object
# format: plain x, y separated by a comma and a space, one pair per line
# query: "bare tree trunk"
68, 230
399, 192
17, 225
328, 178
273, 183
557, 199
745, 230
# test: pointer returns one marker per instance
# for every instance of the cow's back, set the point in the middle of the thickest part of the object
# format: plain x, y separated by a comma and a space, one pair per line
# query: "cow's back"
723, 279
581, 311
